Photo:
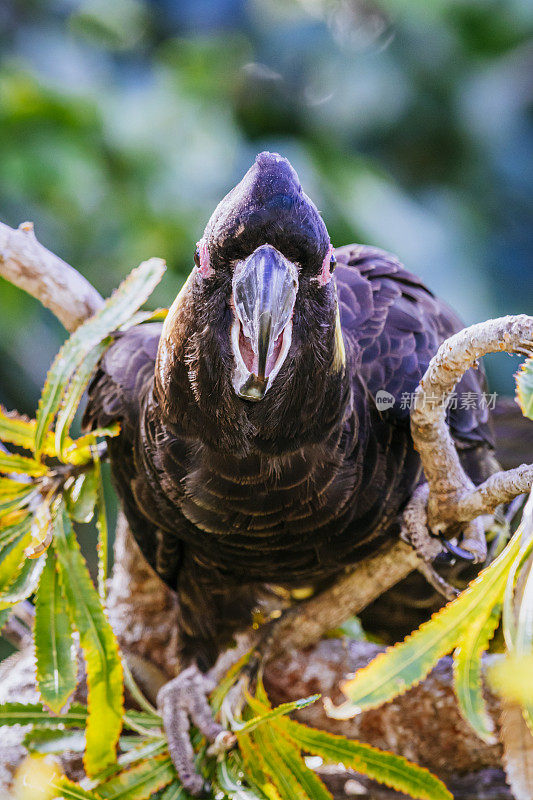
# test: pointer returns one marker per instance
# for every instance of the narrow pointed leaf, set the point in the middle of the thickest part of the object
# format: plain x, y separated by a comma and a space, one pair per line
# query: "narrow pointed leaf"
12, 462
284, 708
117, 309
12, 559
278, 772
387, 768
37, 714
24, 582
397, 669
16, 429
467, 672
72, 397
19, 500
54, 645
48, 740
253, 767
10, 487
72, 791
99, 646
11, 532
139, 782
101, 526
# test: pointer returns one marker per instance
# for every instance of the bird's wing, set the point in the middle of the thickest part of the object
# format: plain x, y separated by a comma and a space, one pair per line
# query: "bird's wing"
399, 324
118, 392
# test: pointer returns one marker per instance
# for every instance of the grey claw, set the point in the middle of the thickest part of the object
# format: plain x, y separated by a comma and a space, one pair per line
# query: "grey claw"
181, 701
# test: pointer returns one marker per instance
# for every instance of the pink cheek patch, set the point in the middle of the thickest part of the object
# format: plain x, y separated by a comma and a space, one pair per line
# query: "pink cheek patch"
325, 274
205, 267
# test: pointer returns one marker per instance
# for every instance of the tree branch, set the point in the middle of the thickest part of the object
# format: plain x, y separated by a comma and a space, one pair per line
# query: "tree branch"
32, 267
453, 497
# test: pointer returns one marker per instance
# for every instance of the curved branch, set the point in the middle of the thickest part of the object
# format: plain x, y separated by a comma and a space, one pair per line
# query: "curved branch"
59, 287
453, 497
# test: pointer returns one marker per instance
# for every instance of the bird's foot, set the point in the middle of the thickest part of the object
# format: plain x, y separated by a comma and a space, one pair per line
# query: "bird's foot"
183, 701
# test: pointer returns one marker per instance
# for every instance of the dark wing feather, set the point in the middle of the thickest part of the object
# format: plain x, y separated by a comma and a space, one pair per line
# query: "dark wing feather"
399, 325
118, 393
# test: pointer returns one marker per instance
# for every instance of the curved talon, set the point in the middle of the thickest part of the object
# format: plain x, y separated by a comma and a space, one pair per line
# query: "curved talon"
455, 550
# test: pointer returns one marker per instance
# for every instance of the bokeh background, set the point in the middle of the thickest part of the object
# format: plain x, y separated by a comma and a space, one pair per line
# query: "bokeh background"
123, 122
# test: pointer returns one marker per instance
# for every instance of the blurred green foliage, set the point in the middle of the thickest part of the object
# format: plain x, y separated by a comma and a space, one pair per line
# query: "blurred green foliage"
123, 123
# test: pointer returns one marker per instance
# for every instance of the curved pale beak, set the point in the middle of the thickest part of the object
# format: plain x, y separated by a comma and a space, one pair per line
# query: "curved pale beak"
264, 291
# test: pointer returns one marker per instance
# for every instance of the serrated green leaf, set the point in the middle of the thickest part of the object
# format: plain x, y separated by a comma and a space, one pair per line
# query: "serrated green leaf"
397, 669
73, 394
284, 708
22, 465
275, 767
54, 645
16, 429
99, 647
467, 672
117, 309
37, 714
254, 768
139, 752
10, 487
19, 500
50, 740
524, 388
81, 497
308, 780
72, 791
12, 558
102, 547
139, 782
11, 532
387, 768
24, 582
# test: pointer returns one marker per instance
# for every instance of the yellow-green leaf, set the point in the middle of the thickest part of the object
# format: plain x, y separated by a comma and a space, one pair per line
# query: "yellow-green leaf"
16, 430
387, 768
12, 558
397, 669
99, 646
268, 715
139, 782
24, 582
73, 394
117, 309
12, 462
467, 671
72, 791
524, 388
254, 767
37, 714
54, 646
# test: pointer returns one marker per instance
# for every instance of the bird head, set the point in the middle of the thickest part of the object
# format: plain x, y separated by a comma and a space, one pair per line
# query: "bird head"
257, 322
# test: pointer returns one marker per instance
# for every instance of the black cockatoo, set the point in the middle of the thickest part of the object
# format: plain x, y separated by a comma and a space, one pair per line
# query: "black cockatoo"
265, 426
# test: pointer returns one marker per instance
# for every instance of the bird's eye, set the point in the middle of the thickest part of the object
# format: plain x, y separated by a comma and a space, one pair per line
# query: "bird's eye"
197, 256
332, 263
